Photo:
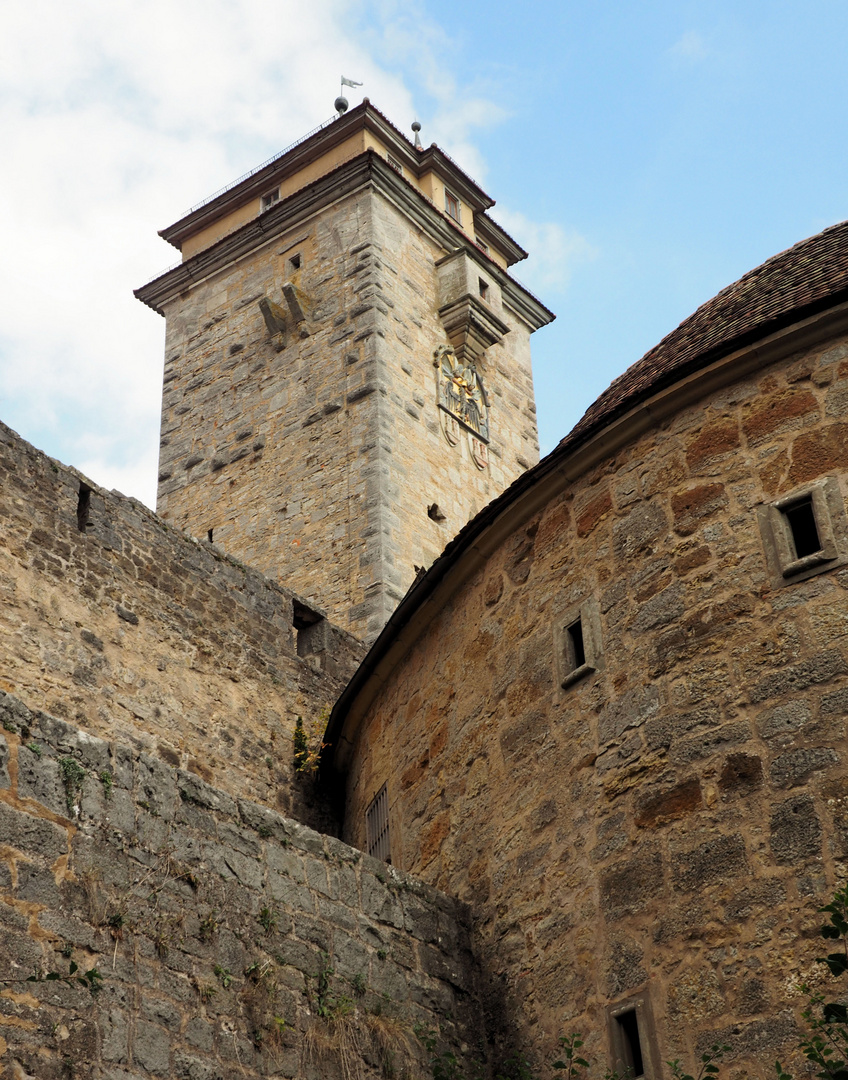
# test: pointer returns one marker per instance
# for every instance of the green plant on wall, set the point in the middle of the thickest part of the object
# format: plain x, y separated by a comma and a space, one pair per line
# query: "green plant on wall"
73, 775
709, 1066
329, 1005
301, 746
267, 919
445, 1065
92, 980
309, 744
826, 1045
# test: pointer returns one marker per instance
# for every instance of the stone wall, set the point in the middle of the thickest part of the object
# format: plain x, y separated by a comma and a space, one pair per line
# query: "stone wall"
313, 453
176, 931
136, 632
668, 824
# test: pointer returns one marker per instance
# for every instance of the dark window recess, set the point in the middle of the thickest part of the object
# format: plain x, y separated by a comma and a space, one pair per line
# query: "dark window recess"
294, 261
84, 508
484, 289
434, 512
209, 536
630, 1043
801, 520
576, 648
310, 628
377, 826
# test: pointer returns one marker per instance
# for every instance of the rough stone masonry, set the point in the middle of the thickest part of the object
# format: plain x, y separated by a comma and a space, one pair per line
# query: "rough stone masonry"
154, 926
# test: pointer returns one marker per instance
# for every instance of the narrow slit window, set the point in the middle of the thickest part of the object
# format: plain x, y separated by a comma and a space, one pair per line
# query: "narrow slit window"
209, 536
377, 826
578, 643
630, 1045
484, 289
84, 507
801, 520
294, 261
576, 648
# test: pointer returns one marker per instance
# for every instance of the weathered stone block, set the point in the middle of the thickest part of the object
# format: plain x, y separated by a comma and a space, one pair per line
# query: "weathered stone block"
796, 831
797, 677
4, 762
14, 715
35, 836
712, 742
114, 1030
630, 710
293, 896
379, 903
794, 766
630, 886
718, 859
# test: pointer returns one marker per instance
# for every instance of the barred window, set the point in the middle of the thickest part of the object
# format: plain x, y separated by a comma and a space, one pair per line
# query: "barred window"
377, 826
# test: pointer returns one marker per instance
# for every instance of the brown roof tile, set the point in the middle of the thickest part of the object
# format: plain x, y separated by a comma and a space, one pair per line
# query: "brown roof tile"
805, 278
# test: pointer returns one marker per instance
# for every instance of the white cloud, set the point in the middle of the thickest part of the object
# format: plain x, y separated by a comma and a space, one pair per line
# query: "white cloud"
554, 251
689, 49
117, 116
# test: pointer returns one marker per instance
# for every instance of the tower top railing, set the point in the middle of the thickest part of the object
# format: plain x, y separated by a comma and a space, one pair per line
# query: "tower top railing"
259, 168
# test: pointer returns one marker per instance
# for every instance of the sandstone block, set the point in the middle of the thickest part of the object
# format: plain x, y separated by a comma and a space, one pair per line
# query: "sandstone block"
794, 766
717, 859
35, 836
795, 831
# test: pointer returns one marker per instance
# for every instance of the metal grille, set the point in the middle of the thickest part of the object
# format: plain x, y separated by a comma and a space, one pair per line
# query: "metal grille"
377, 826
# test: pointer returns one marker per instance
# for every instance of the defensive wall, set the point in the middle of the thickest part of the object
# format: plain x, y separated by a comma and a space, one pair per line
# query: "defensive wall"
154, 926
136, 632
649, 822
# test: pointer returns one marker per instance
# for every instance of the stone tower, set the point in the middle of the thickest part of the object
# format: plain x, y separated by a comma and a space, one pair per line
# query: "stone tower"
347, 366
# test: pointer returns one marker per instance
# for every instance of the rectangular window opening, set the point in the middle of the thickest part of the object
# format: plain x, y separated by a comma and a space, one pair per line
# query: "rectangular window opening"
576, 647
310, 629
630, 1045
801, 520
269, 198
578, 642
452, 205
377, 826
84, 507
484, 289
294, 261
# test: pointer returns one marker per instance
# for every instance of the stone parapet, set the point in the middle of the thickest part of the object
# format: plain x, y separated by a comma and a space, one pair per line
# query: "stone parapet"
154, 926
135, 631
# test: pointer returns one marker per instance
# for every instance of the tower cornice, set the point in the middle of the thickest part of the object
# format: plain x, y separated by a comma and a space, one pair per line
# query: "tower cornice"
366, 169
323, 140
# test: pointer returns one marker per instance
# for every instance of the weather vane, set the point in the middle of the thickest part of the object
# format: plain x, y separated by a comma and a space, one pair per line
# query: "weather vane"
341, 101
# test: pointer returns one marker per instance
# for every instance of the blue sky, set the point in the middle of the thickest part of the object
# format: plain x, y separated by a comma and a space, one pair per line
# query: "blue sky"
647, 154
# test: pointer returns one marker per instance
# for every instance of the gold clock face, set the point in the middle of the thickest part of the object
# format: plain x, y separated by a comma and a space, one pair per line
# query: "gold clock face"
461, 392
